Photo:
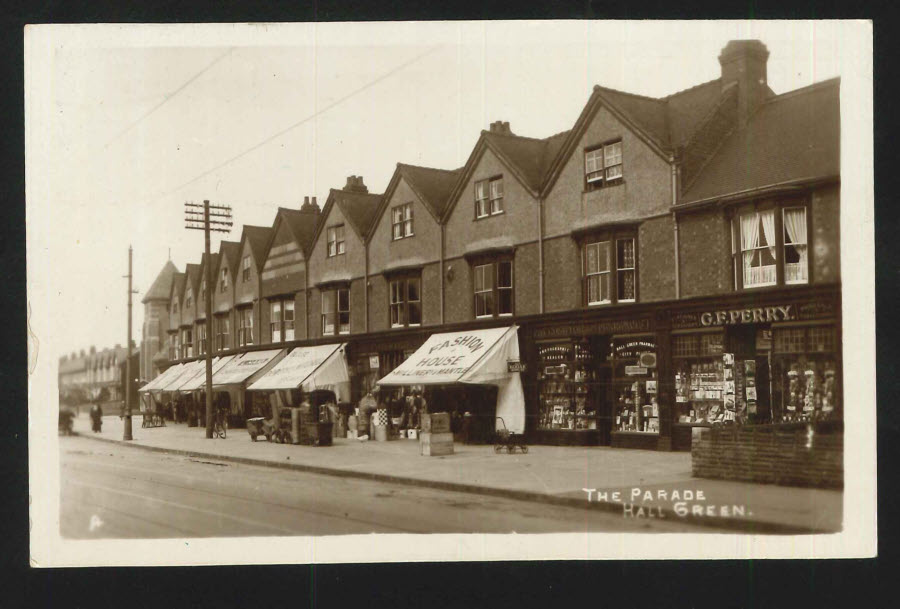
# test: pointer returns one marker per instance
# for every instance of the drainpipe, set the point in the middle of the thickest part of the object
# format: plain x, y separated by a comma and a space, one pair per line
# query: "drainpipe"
675, 227
306, 297
441, 273
366, 286
541, 254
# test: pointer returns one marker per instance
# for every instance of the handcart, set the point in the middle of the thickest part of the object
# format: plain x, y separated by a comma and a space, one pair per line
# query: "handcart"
509, 440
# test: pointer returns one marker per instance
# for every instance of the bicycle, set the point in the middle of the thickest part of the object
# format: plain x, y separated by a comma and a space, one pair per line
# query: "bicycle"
220, 426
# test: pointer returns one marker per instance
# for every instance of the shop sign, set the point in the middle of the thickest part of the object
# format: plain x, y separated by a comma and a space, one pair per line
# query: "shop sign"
515, 366
373, 362
592, 329
629, 348
747, 316
816, 310
635, 370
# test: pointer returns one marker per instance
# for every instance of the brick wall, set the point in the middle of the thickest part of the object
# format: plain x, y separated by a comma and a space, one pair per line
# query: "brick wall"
826, 238
705, 254
787, 457
562, 274
656, 264
458, 299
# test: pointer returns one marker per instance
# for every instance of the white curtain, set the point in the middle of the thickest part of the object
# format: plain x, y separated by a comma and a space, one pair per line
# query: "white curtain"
749, 239
795, 225
768, 222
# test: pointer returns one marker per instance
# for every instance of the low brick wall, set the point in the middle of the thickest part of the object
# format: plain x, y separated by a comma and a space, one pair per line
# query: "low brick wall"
772, 454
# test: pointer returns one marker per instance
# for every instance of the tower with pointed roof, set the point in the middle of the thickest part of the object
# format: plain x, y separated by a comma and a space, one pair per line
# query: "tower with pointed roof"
156, 321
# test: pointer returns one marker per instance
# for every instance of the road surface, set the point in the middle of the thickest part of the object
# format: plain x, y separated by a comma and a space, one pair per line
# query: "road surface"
115, 491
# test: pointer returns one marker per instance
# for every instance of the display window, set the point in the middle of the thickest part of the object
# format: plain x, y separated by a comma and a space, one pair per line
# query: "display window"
805, 374
634, 385
571, 376
700, 377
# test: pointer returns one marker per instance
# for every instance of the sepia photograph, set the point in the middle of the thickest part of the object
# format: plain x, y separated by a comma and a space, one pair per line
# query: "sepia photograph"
409, 291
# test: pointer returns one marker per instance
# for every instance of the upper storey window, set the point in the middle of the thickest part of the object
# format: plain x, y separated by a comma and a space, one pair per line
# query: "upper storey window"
335, 237
603, 165
489, 197
245, 269
770, 247
402, 221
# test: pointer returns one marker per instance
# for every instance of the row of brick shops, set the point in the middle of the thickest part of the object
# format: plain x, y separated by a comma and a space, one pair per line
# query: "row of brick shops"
646, 375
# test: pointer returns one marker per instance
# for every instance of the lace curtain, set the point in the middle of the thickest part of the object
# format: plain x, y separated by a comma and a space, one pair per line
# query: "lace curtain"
795, 225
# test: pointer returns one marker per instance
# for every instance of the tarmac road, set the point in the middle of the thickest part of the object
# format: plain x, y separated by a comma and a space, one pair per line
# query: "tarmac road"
112, 491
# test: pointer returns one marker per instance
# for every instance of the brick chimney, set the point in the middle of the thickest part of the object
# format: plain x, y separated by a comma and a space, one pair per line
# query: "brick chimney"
744, 62
310, 206
501, 127
355, 184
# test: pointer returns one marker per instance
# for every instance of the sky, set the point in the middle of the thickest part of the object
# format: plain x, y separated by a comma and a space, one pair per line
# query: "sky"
126, 123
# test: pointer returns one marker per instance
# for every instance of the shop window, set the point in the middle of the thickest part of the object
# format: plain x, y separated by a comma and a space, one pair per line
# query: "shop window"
245, 269
770, 246
402, 221
603, 165
634, 385
406, 302
489, 197
245, 326
281, 319
609, 269
493, 289
700, 377
335, 239
568, 379
222, 332
336, 311
805, 377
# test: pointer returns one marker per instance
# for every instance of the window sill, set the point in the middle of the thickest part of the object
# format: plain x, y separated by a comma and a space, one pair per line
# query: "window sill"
618, 182
494, 215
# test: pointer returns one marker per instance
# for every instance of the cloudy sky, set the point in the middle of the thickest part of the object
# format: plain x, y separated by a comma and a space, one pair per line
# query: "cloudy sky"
125, 123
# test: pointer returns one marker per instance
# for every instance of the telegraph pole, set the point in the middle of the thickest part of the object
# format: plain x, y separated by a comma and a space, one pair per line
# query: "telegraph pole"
126, 431
197, 220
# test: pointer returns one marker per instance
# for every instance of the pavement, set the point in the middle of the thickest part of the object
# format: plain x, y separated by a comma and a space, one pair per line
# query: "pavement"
633, 483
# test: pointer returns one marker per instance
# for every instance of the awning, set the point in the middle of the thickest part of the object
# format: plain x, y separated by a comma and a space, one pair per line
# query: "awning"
476, 357
319, 367
164, 377
187, 373
198, 381
247, 367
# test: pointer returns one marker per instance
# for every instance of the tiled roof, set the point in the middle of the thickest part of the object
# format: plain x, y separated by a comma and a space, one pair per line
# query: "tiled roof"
302, 225
794, 136
530, 157
359, 208
162, 285
434, 186
258, 237
231, 250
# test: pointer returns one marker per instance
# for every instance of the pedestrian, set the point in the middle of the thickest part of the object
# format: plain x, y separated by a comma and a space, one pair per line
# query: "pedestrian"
96, 417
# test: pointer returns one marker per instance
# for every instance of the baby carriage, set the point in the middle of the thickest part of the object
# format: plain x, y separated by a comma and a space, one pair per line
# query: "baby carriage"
507, 439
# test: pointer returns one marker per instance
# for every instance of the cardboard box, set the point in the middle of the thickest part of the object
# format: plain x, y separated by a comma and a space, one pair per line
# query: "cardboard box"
435, 444
352, 434
412, 434
436, 422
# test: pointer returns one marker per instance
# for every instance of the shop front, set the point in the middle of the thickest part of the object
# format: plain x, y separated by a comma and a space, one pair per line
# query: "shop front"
759, 359
192, 392
472, 375
231, 381
593, 381
151, 393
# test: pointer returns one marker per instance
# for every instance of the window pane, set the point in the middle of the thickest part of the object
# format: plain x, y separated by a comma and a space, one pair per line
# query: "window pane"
481, 190
592, 258
343, 300
481, 207
344, 320
626, 285
289, 310
340, 247
415, 313
504, 306
496, 206
504, 274
397, 231
625, 253
327, 302
613, 154
397, 215
413, 290
603, 256
409, 228
407, 211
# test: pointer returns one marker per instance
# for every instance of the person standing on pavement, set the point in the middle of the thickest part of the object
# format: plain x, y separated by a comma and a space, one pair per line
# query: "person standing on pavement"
96, 417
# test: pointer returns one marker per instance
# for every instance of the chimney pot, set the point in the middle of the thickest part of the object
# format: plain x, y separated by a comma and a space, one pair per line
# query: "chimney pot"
500, 127
305, 200
744, 63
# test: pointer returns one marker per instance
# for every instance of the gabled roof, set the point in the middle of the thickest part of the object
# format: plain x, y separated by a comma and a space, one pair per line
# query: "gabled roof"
791, 138
432, 186
214, 261
178, 282
193, 275
359, 208
230, 252
161, 287
258, 238
528, 159
301, 223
